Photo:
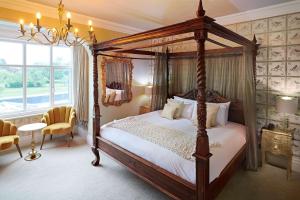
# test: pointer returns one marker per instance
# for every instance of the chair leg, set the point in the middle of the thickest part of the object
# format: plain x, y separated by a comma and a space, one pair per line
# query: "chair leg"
43, 141
72, 135
51, 137
69, 141
19, 150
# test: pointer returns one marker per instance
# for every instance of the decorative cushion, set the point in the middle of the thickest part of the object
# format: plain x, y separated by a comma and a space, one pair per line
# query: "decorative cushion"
179, 107
222, 115
169, 111
188, 107
211, 115
57, 128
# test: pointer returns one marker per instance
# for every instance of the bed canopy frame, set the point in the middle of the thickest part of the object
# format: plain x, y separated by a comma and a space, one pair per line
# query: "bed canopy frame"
174, 186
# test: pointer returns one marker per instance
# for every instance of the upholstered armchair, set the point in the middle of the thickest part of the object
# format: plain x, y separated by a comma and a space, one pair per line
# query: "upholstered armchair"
60, 120
8, 136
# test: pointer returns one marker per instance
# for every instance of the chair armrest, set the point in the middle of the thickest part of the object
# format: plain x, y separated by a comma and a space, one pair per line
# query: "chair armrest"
45, 119
72, 119
13, 129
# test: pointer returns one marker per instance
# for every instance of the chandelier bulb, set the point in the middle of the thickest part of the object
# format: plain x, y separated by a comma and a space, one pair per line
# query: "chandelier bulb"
38, 15
90, 22
68, 15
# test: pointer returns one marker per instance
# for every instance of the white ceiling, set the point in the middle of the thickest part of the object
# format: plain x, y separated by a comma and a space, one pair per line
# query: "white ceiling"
148, 14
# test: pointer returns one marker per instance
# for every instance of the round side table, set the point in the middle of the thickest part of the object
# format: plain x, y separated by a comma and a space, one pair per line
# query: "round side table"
33, 154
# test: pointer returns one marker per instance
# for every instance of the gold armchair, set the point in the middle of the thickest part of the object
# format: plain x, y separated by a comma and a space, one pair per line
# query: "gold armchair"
60, 120
8, 136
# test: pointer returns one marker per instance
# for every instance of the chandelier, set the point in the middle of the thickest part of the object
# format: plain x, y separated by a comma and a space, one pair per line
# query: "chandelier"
63, 34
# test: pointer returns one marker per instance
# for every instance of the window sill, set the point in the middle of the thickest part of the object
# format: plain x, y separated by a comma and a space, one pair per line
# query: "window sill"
20, 115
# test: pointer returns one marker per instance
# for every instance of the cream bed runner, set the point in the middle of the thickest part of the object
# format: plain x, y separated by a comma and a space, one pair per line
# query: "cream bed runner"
174, 140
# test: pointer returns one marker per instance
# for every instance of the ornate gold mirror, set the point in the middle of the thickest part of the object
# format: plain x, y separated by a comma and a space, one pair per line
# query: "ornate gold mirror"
116, 81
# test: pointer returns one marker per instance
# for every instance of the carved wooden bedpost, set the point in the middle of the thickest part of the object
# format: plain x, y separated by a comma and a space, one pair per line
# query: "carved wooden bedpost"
96, 123
202, 147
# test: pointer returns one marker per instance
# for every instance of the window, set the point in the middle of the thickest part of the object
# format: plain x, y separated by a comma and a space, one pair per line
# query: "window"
34, 77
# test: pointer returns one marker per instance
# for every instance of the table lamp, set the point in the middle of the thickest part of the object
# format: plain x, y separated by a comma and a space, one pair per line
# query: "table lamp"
286, 105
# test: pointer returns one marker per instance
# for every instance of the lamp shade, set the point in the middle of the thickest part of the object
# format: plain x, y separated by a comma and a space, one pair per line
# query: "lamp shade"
287, 105
148, 90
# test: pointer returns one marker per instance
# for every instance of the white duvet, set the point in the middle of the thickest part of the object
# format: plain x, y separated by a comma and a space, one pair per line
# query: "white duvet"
231, 137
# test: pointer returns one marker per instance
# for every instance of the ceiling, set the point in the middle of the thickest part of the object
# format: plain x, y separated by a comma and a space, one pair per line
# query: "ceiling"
148, 14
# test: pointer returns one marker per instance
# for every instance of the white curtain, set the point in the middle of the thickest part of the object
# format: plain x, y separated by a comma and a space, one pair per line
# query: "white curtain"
81, 84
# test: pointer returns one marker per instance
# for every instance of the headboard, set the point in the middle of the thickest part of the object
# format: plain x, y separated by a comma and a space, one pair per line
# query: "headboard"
236, 112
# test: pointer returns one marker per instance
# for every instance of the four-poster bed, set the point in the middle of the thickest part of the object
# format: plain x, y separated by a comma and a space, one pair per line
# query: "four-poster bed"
174, 186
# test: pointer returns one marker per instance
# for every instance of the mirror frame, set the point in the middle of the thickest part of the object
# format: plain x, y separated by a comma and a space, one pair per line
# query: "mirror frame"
104, 62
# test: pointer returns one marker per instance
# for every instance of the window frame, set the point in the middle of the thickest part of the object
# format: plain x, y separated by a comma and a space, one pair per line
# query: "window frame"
24, 68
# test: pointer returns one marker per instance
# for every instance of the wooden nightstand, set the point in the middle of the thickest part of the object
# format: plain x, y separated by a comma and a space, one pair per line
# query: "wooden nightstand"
144, 109
278, 142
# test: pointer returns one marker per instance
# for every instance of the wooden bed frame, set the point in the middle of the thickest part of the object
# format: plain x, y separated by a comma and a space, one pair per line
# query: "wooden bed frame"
170, 184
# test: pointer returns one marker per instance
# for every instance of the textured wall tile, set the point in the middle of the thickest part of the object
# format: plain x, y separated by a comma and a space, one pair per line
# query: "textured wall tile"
276, 83
244, 28
293, 68
277, 38
262, 39
277, 53
231, 27
273, 114
277, 69
277, 23
260, 26
261, 111
293, 21
262, 54
293, 52
293, 36
293, 84
261, 68
261, 97
261, 83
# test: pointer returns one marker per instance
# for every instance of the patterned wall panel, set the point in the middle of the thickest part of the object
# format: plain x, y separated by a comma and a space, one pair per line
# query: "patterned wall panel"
278, 63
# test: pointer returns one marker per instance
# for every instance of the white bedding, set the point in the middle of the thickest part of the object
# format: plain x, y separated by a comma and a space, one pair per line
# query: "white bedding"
231, 137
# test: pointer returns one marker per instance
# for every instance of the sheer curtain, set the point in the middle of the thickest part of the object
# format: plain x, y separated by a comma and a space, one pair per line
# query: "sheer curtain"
81, 84
232, 76
159, 91
182, 75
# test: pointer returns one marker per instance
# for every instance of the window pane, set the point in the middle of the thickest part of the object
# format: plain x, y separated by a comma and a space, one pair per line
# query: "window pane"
38, 87
11, 53
11, 89
62, 84
37, 54
62, 56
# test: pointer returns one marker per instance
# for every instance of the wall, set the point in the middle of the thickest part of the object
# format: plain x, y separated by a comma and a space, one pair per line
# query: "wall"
278, 66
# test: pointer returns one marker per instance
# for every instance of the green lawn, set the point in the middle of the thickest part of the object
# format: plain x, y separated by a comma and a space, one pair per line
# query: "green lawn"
18, 92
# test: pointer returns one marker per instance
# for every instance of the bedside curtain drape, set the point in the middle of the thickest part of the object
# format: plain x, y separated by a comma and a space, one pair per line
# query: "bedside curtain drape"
233, 77
81, 84
159, 90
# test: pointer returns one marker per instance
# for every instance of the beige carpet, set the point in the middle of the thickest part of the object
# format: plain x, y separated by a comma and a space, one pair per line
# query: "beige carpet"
64, 173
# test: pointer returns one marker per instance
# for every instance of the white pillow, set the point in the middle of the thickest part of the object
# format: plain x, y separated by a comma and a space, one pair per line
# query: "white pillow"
168, 111
188, 107
222, 115
179, 105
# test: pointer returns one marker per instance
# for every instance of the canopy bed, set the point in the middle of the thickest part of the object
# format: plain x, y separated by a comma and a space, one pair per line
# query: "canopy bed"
199, 184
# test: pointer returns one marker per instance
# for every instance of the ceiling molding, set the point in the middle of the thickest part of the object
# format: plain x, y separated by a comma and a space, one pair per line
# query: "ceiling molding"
48, 11
260, 13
